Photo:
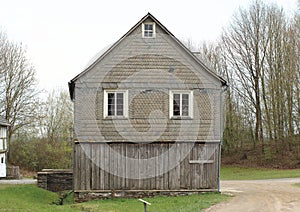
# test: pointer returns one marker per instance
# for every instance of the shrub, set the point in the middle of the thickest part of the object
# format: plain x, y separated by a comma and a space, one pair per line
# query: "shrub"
37, 154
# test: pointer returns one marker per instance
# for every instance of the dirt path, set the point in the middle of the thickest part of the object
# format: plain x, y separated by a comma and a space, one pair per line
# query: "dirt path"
260, 195
21, 181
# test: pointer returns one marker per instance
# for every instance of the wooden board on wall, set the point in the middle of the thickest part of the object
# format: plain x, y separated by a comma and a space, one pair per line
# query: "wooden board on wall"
100, 166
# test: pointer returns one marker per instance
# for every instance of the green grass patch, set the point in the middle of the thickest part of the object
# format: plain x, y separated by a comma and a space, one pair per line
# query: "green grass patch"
237, 173
32, 198
196, 202
29, 198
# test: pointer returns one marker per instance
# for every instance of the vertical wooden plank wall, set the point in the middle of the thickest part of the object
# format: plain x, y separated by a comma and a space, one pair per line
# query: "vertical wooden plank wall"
187, 175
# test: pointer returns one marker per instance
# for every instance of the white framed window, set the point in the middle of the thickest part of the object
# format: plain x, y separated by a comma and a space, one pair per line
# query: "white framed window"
115, 103
148, 30
181, 104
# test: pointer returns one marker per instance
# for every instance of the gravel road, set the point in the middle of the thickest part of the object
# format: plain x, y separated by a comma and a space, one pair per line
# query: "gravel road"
260, 195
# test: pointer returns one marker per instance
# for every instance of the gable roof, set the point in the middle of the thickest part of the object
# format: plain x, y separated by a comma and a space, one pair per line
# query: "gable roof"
3, 122
110, 48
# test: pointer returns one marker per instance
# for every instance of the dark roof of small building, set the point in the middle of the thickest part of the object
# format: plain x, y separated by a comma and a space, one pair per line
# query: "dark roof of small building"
3, 122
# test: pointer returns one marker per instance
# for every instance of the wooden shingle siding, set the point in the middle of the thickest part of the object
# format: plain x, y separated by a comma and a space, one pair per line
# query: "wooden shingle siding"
141, 104
91, 157
148, 79
131, 53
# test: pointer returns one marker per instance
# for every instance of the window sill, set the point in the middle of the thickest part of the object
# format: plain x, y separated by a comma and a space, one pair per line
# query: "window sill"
181, 118
115, 117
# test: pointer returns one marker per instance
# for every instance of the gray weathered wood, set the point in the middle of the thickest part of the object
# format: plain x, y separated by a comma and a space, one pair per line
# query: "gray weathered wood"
196, 171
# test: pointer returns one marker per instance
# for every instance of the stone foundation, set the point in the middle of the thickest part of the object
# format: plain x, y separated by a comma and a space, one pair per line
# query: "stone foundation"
55, 179
83, 196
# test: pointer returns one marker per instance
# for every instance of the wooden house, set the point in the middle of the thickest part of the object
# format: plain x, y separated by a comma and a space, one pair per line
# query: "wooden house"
147, 118
3, 146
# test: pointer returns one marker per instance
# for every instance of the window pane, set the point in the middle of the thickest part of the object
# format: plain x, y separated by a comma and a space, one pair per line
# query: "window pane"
147, 34
185, 111
119, 98
120, 103
185, 99
111, 111
111, 98
111, 104
148, 27
119, 110
176, 104
185, 104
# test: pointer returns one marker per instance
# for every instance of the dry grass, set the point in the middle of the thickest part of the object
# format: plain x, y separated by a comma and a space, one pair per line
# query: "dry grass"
28, 174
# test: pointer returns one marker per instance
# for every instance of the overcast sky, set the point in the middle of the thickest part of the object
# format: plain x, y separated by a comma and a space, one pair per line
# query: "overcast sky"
61, 36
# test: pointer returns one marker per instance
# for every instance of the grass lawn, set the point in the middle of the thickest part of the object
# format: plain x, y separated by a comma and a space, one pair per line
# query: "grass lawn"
237, 173
32, 198
159, 203
29, 198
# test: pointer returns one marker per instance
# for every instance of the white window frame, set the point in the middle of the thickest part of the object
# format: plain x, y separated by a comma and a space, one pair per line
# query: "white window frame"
191, 104
3, 138
125, 104
153, 29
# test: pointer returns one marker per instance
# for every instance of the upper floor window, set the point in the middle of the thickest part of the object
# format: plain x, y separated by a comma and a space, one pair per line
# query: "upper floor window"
181, 104
115, 103
148, 30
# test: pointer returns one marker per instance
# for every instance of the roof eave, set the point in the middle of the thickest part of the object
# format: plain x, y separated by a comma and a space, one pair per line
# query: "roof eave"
112, 47
223, 82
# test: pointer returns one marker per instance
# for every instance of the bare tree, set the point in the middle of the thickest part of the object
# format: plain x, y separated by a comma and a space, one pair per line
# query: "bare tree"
259, 56
246, 44
261, 47
56, 122
18, 92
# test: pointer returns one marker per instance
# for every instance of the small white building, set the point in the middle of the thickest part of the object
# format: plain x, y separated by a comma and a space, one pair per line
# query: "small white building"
3, 146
